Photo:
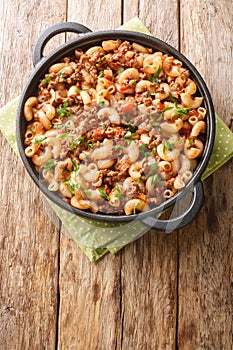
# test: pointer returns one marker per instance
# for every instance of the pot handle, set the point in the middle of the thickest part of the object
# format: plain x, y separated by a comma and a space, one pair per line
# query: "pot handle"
183, 219
51, 32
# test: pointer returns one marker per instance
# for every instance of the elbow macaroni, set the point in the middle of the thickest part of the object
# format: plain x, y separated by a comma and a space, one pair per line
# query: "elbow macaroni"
116, 129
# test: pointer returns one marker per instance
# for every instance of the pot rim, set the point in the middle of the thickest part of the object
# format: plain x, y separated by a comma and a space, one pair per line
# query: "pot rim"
84, 42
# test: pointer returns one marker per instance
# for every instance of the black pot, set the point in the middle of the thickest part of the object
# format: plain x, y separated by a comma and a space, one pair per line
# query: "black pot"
42, 64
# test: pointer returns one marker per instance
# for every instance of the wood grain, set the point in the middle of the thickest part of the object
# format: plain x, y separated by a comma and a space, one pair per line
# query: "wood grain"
149, 265
164, 291
29, 241
89, 315
205, 247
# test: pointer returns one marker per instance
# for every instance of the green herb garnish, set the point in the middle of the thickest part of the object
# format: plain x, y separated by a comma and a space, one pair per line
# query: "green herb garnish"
143, 151
165, 109
182, 111
155, 179
61, 73
130, 134
39, 139
155, 78
71, 186
191, 142
101, 104
103, 194
75, 165
119, 194
119, 148
89, 144
87, 192
62, 111
50, 164
101, 74
45, 81
173, 99
72, 146
63, 135
168, 146
103, 127
120, 70
80, 140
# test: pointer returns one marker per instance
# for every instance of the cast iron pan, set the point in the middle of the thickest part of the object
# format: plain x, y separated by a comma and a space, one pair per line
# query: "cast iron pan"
42, 64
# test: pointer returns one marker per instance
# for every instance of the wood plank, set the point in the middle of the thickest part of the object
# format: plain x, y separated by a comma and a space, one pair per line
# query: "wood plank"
89, 315
29, 240
205, 248
156, 18
149, 265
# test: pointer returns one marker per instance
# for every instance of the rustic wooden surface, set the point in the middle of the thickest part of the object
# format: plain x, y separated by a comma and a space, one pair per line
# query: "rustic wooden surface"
164, 291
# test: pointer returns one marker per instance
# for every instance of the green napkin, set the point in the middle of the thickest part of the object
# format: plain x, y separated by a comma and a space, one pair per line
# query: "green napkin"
97, 238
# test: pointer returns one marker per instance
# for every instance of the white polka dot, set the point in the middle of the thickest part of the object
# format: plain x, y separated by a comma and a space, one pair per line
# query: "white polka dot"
124, 242
227, 141
219, 141
217, 155
226, 148
218, 148
224, 155
220, 135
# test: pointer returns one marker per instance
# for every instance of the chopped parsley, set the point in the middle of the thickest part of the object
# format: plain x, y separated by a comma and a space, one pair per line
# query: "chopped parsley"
89, 144
153, 170
75, 165
103, 194
80, 140
103, 127
119, 194
72, 146
143, 151
63, 135
173, 99
182, 111
135, 207
101, 104
87, 192
50, 164
39, 139
155, 179
166, 109
120, 70
168, 146
45, 81
155, 78
130, 127
61, 72
62, 111
191, 142
119, 148
101, 74
71, 185
130, 134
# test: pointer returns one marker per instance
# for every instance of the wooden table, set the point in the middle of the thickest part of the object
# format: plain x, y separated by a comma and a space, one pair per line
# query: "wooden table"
164, 291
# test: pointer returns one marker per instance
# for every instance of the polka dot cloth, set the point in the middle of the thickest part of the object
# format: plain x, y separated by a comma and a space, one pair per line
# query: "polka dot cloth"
97, 238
